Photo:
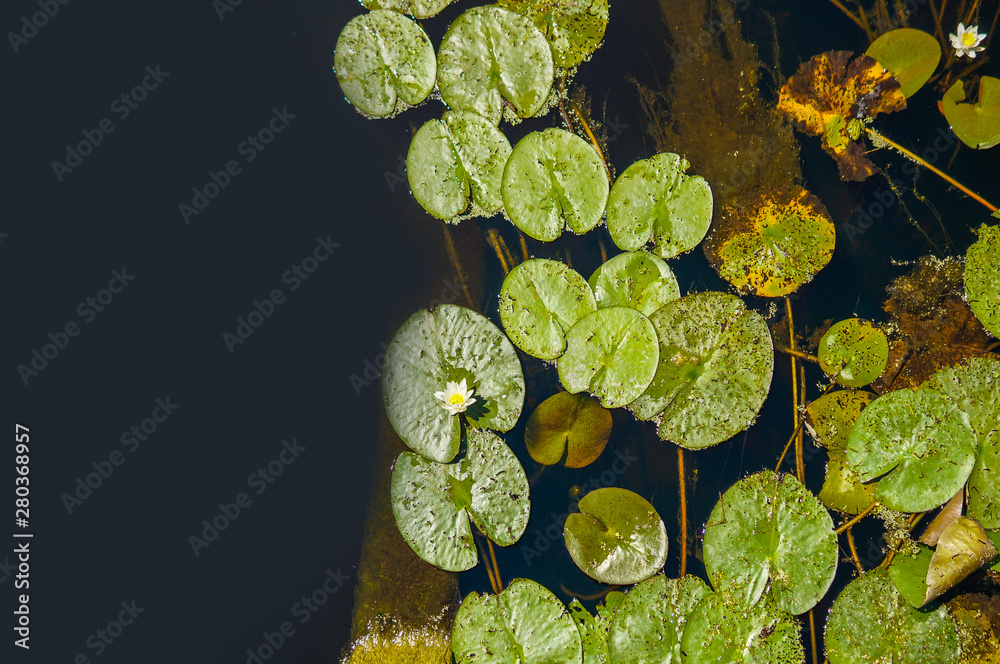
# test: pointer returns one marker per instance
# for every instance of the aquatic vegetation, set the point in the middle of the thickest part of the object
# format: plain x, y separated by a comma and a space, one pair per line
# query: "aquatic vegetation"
569, 428
456, 397
573, 28
830, 420
649, 623
976, 124
966, 41
416, 8
853, 352
911, 56
722, 631
982, 278
634, 279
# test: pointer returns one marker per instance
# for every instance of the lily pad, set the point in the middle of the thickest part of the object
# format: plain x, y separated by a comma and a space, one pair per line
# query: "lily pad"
871, 622
982, 278
449, 344
611, 353
593, 633
649, 624
416, 8
843, 491
616, 537
714, 371
830, 418
452, 159
490, 54
635, 279
574, 427
433, 502
524, 623
554, 180
720, 632
911, 56
768, 530
770, 242
384, 63
540, 301
977, 125
853, 352
574, 28
654, 200
909, 574
963, 548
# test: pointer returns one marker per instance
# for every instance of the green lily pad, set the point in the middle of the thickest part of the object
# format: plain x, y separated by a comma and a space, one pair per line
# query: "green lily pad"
853, 352
871, 622
911, 56
982, 278
449, 344
919, 442
611, 353
490, 54
593, 633
830, 418
450, 159
554, 180
540, 301
769, 528
574, 28
616, 537
574, 427
843, 491
720, 632
977, 125
524, 623
650, 622
635, 279
416, 8
975, 388
715, 366
384, 63
655, 201
909, 574
433, 502
770, 242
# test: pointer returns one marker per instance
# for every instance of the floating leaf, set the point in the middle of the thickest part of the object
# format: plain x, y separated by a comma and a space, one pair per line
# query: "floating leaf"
871, 622
451, 158
568, 426
574, 28
611, 353
951, 511
978, 124
616, 537
433, 502
540, 300
769, 528
384, 62
922, 444
449, 344
649, 624
770, 242
910, 55
826, 97
714, 372
963, 548
554, 180
843, 491
853, 352
978, 617
725, 633
416, 8
830, 418
982, 278
909, 575
593, 633
490, 54
654, 200
524, 623
635, 279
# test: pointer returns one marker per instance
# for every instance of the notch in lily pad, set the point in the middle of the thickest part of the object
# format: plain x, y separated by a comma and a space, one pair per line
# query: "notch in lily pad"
524, 623
554, 180
455, 159
976, 124
568, 428
829, 421
636, 279
431, 350
853, 352
655, 201
433, 503
384, 63
574, 29
617, 537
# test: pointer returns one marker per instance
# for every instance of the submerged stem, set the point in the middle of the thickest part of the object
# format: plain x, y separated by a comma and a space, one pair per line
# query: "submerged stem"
853, 521
684, 520
854, 550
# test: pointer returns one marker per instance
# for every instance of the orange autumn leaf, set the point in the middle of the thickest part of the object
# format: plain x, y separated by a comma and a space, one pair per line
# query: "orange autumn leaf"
827, 97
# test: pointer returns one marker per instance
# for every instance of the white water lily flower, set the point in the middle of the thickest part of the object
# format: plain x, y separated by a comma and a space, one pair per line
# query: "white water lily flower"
456, 397
967, 41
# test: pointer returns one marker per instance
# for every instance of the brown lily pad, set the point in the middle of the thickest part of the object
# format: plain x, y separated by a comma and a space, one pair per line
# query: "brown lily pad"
830, 98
